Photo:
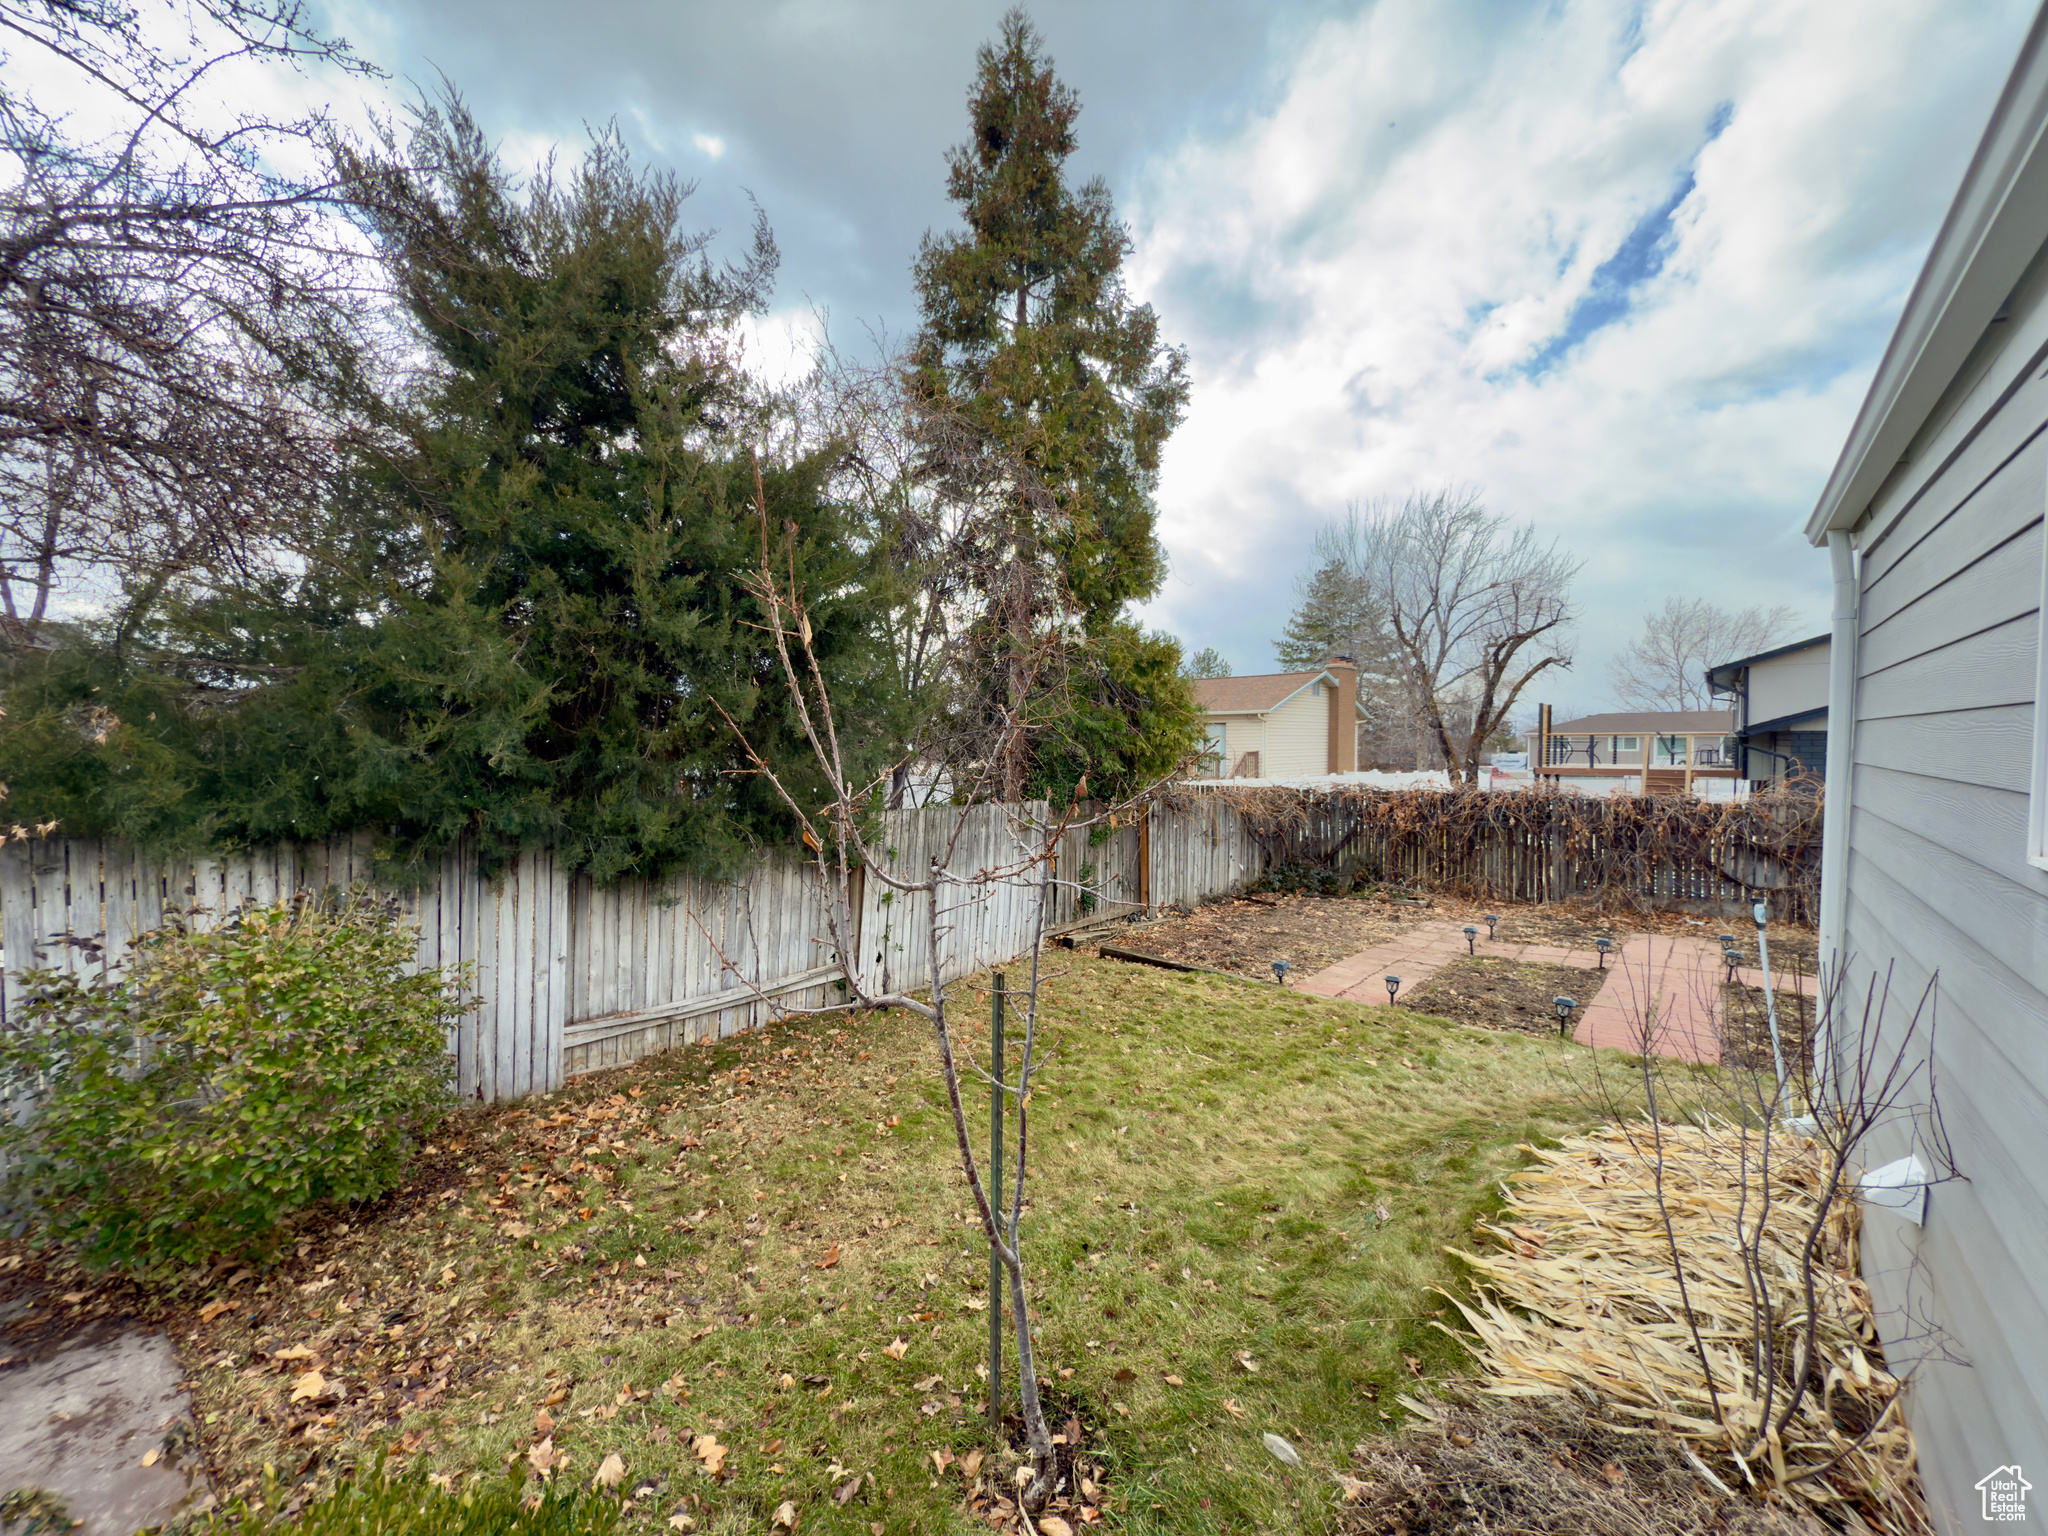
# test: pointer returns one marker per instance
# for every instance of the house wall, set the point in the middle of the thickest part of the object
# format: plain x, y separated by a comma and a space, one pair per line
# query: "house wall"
1298, 737
1938, 882
1788, 685
1243, 733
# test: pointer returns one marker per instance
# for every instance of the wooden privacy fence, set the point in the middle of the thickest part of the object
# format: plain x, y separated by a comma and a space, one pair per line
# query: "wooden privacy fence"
567, 976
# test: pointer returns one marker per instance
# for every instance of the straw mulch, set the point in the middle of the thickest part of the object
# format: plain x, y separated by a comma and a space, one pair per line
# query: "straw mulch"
1583, 1301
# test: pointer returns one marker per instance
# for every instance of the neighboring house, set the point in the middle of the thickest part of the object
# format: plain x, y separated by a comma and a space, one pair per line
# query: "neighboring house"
1781, 708
1281, 725
1935, 860
1657, 752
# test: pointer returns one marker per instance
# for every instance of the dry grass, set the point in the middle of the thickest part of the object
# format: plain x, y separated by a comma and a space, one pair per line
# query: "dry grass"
1540, 1466
1583, 1300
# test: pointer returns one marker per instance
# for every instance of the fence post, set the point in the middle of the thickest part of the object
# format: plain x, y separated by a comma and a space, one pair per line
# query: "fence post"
995, 1186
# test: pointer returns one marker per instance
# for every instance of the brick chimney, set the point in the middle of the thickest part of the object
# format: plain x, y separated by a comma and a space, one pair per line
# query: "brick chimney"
1343, 714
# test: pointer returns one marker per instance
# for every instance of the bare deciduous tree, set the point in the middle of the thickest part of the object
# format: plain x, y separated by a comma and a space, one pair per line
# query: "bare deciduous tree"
839, 836
1476, 609
175, 304
1665, 667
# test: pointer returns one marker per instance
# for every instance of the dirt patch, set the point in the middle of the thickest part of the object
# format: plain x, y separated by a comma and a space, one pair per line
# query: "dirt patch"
1503, 994
1540, 1467
1746, 1032
1245, 936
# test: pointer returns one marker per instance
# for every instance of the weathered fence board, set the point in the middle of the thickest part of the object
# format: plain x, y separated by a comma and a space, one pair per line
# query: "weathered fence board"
567, 976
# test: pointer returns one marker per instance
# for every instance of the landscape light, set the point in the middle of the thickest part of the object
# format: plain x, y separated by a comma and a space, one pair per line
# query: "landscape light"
1280, 969
1731, 957
1727, 940
1471, 940
1564, 1007
1603, 944
1761, 911
1491, 919
1393, 988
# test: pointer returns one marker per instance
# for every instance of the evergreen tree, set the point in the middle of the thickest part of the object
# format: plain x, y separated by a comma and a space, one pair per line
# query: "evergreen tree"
525, 617
564, 657
1207, 662
1031, 352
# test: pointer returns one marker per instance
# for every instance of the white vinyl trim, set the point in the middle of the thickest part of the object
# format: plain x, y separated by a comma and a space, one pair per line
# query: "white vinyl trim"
2037, 781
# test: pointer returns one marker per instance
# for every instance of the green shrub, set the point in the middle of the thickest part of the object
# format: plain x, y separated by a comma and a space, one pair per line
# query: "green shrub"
374, 1505
226, 1079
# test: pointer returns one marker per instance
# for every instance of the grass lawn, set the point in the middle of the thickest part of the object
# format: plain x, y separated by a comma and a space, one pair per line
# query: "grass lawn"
1239, 1202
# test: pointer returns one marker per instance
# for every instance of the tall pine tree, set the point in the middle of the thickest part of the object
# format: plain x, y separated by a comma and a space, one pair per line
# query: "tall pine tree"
1031, 351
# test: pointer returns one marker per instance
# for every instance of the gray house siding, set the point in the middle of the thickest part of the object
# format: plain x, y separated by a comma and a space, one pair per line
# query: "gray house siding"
1938, 880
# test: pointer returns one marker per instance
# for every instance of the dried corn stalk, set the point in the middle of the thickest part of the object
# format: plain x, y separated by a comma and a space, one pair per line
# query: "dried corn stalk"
1583, 1301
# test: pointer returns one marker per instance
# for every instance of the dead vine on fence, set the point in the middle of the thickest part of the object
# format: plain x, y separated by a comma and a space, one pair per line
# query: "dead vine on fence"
1543, 844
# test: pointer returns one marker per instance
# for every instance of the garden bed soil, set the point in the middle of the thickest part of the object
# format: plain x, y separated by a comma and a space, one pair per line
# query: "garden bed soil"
1497, 993
1245, 935
1746, 1032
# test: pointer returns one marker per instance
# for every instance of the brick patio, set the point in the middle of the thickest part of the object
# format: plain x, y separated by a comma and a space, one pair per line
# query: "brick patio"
1680, 974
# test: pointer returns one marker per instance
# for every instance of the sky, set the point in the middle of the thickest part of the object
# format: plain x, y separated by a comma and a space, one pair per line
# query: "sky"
1626, 268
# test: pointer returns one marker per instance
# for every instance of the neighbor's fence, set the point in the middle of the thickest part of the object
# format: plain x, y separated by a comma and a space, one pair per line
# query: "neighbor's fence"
567, 976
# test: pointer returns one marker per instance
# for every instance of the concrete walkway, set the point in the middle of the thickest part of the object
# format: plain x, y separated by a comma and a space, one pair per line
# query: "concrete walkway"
1675, 980
103, 1425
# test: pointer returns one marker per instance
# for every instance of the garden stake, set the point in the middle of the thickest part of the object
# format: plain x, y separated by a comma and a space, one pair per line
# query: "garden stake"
995, 1190
1471, 940
1761, 912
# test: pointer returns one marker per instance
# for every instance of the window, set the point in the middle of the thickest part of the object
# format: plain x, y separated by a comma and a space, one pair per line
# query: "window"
1215, 750
1315, 690
1627, 744
1669, 752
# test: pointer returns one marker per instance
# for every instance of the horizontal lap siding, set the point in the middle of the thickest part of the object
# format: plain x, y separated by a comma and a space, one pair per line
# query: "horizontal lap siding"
1939, 883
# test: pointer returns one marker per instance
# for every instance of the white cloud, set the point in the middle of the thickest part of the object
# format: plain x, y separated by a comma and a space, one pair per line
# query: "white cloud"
709, 144
1627, 268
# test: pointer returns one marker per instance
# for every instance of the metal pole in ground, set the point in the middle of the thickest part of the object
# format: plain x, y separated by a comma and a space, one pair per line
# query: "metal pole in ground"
995, 1190
1761, 912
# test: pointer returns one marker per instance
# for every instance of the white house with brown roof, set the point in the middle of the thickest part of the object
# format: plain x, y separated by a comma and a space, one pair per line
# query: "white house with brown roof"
1281, 725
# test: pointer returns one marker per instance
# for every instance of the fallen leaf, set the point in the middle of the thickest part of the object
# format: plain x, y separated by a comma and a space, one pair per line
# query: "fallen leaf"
150, 1456
1246, 1363
897, 1350
296, 1352
773, 1447
976, 1303
1614, 1474
1414, 1365
543, 1423
843, 1494
556, 1398
1281, 1449
1175, 1381
1125, 1373
1053, 1525
448, 1275
1354, 1488
310, 1387
710, 1452
831, 1257
1230, 1404
970, 1464
610, 1472
541, 1455
785, 1516
1460, 1440
942, 1459
681, 1522
214, 1309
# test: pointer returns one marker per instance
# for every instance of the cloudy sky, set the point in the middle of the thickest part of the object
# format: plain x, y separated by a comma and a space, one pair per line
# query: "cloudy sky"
1627, 267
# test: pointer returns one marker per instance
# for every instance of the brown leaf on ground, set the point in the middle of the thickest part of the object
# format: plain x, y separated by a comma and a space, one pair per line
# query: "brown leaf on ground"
611, 1471
830, 1258
785, 1516
708, 1451
970, 1464
942, 1459
843, 1494
541, 1455
309, 1388
1053, 1525
214, 1309
896, 1350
